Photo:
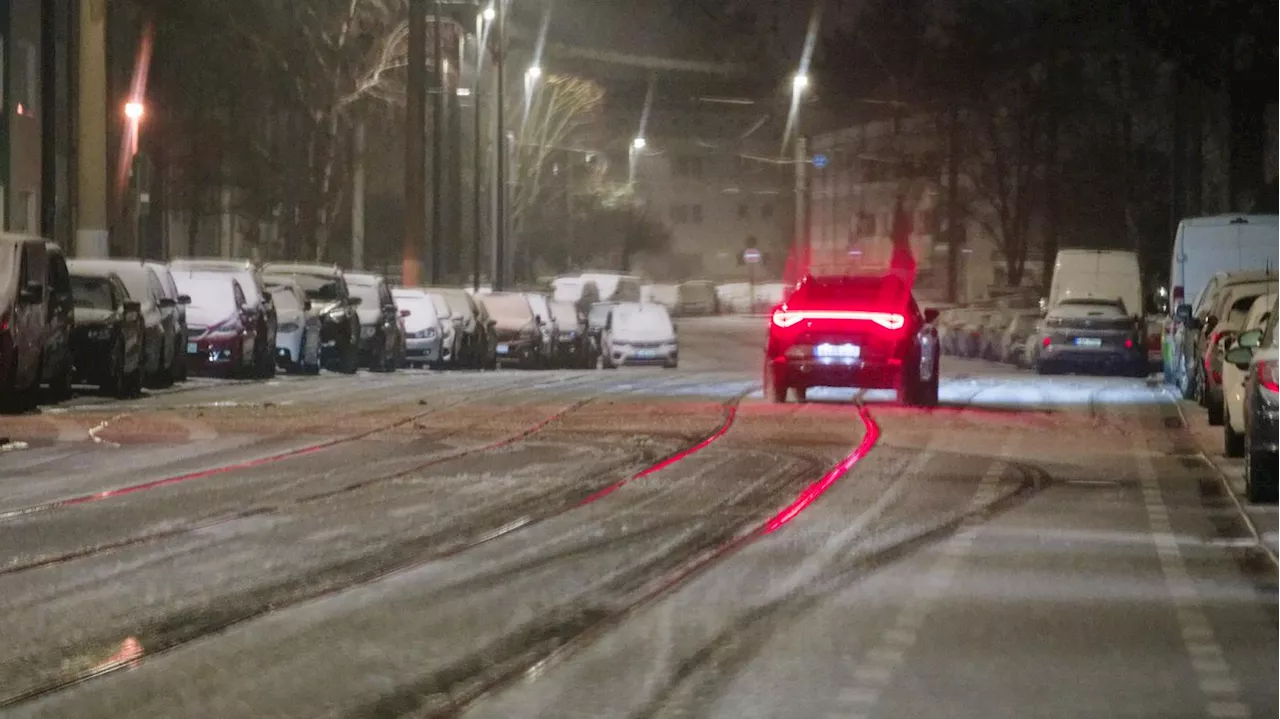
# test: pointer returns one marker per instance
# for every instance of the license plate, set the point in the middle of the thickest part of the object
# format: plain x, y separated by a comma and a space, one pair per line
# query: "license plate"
367, 332
1089, 341
503, 348
193, 348
646, 354
844, 351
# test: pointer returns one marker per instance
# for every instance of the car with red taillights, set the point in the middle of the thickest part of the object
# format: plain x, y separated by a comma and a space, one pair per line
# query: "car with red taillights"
222, 324
852, 331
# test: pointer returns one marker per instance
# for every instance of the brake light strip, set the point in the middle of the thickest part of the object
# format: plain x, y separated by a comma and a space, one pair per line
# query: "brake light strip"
887, 320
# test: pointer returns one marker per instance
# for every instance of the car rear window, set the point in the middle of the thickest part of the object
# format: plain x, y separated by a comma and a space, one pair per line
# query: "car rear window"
508, 309
210, 294
284, 298
91, 292
878, 292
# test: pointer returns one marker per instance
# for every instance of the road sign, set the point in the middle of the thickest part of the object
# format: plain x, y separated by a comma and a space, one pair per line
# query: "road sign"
751, 256
819, 161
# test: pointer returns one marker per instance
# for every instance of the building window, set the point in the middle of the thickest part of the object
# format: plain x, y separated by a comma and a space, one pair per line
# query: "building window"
26, 91
743, 211
766, 211
695, 214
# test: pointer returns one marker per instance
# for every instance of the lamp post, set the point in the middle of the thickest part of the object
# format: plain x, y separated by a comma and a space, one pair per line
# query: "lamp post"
799, 85
500, 146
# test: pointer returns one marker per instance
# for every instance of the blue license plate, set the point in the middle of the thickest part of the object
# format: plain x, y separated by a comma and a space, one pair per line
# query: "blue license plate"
646, 354
503, 348
1089, 341
193, 348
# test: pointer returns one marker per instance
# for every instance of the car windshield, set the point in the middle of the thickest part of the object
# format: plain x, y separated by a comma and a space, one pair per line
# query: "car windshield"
90, 292
212, 296
888, 293
318, 288
1091, 308
564, 314
509, 309
458, 305
599, 314
284, 299
368, 295
647, 320
443, 310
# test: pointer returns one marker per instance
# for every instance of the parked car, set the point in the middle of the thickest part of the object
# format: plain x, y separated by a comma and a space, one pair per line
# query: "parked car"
472, 334
326, 287
422, 326
639, 334
1233, 377
380, 339
109, 333
165, 275
36, 320
1014, 340
159, 314
1260, 407
571, 334
1196, 329
450, 329
1092, 335
1202, 248
696, 298
223, 338
265, 323
298, 331
519, 339
1225, 321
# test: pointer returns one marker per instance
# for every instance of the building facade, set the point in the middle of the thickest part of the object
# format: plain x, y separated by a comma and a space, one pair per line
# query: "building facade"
21, 115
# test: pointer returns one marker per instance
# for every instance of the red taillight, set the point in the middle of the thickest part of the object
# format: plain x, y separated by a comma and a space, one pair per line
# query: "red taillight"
1046, 341
787, 318
1267, 375
1128, 344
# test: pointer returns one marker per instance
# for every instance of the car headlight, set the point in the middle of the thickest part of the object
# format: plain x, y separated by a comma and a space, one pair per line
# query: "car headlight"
99, 333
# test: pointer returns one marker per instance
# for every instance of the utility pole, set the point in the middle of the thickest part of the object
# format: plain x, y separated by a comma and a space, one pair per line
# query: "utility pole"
437, 145
415, 119
453, 170
802, 204
92, 239
953, 203
357, 196
500, 147
477, 158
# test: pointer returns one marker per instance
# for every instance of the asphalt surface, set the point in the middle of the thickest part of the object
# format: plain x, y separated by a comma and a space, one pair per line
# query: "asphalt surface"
631, 543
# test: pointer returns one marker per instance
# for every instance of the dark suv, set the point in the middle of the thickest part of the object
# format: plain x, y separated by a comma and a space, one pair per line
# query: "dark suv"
36, 312
326, 288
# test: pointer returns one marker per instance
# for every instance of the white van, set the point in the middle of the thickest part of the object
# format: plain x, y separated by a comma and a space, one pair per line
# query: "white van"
1205, 246
1080, 274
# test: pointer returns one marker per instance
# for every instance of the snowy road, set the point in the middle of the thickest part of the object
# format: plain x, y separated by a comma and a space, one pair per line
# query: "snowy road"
632, 543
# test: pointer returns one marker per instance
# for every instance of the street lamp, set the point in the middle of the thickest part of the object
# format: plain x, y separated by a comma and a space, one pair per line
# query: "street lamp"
799, 83
533, 73
134, 110
638, 144
489, 13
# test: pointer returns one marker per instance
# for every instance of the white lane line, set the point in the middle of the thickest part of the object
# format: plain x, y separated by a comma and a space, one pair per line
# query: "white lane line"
1219, 688
876, 669
95, 430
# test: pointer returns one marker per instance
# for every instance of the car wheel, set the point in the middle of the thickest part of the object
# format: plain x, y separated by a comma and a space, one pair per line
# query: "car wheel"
60, 386
1232, 441
115, 383
1214, 408
802, 394
132, 386
1185, 385
264, 360
1259, 474
180, 373
926, 393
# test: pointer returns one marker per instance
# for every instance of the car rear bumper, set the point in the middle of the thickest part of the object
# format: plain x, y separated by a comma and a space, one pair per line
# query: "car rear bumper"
1264, 424
814, 372
519, 353
1099, 358
215, 356
422, 350
645, 357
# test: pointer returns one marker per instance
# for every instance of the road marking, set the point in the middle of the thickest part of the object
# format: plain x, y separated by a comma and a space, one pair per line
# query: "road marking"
877, 667
95, 430
1219, 688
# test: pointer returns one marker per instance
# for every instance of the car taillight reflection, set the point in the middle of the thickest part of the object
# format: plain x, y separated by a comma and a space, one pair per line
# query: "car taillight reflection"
1268, 376
788, 318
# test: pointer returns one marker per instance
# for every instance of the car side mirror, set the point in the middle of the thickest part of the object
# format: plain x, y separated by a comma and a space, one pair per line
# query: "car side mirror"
247, 308
266, 296
306, 306
930, 315
354, 301
405, 313
1240, 356
168, 302
184, 299
1210, 322
131, 307
537, 319
31, 294
1249, 339
1183, 313
389, 308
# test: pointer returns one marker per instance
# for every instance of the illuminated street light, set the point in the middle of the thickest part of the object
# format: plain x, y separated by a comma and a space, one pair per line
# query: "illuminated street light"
134, 110
800, 82
464, 92
638, 144
533, 73
489, 14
